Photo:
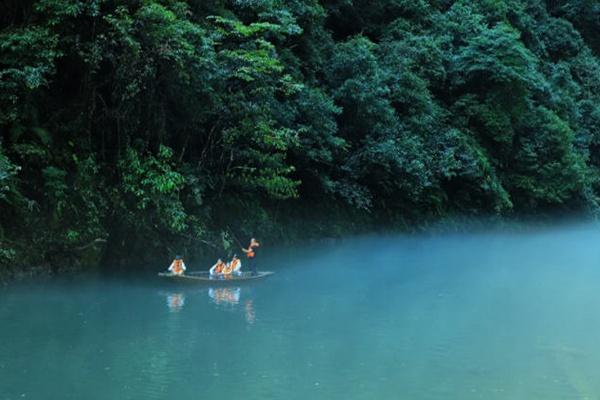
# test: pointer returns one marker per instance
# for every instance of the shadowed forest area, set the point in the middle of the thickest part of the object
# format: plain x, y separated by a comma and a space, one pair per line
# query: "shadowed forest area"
136, 128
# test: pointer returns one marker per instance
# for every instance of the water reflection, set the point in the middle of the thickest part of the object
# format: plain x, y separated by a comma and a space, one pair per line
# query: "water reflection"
175, 302
249, 312
225, 295
231, 297
224, 298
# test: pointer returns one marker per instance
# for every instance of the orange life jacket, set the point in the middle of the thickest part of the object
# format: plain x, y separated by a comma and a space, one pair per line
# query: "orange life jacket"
220, 267
250, 253
228, 269
177, 268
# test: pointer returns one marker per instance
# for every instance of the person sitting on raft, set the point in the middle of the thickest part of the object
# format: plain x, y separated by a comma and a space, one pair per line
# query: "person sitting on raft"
251, 254
236, 264
177, 267
233, 267
217, 269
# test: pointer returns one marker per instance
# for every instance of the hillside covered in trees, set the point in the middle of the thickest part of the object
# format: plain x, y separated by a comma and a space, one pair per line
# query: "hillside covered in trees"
131, 128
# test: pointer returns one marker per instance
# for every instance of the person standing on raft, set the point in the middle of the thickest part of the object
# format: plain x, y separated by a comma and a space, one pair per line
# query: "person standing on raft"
177, 267
251, 254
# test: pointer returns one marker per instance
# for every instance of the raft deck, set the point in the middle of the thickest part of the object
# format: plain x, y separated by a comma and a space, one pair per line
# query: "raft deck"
203, 277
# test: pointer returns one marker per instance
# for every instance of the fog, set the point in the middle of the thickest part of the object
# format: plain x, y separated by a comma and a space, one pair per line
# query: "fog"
503, 314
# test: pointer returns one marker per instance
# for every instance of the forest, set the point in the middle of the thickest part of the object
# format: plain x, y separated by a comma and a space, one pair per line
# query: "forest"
137, 129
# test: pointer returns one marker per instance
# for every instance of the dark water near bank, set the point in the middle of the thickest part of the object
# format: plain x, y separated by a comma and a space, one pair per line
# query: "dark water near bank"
482, 316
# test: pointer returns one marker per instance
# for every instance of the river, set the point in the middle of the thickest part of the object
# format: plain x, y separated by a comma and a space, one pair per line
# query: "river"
487, 315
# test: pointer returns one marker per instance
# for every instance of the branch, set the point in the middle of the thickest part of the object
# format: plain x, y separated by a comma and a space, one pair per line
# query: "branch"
90, 244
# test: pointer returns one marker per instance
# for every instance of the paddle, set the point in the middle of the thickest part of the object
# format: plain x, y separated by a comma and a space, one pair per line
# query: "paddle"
234, 237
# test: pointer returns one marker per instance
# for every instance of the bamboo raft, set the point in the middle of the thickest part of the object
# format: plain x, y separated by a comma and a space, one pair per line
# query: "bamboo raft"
203, 277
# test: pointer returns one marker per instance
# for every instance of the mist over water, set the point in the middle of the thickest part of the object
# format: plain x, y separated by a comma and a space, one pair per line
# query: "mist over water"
466, 316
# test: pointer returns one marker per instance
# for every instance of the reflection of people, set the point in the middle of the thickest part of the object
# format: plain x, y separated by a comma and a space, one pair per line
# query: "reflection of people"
218, 268
177, 267
251, 254
249, 312
175, 301
225, 295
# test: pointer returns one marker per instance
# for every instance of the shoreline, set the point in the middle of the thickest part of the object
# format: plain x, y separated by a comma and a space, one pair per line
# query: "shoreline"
441, 227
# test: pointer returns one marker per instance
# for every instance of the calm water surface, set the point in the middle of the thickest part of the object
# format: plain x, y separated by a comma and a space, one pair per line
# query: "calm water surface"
486, 316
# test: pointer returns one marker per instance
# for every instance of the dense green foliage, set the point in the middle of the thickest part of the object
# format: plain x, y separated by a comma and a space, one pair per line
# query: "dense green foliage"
166, 124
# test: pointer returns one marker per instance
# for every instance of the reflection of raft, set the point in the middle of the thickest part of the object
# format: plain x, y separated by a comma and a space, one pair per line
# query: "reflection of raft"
225, 295
203, 277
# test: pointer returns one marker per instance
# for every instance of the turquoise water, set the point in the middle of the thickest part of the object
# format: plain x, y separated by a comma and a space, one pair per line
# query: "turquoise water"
481, 316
